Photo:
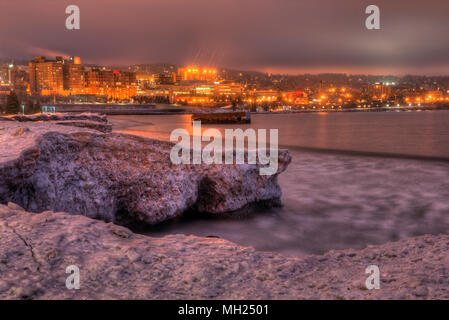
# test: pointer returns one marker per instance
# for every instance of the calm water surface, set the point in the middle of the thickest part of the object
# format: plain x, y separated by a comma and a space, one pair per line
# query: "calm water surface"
355, 179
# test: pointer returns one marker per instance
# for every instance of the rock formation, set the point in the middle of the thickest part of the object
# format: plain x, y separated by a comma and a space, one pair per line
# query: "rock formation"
75, 165
115, 263
68, 163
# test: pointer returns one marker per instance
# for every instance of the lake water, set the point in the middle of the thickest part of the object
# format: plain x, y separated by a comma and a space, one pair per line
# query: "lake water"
355, 179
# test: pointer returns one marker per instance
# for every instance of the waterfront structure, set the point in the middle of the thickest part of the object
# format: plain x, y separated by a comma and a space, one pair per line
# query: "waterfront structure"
206, 94
194, 100
261, 96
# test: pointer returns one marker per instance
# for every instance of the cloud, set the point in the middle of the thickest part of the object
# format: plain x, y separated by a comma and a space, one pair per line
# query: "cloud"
256, 34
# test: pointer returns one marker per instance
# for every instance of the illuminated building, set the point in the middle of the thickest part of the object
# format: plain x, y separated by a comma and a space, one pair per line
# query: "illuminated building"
68, 77
5, 74
144, 77
194, 100
15, 77
379, 91
192, 94
144, 81
180, 90
205, 90
295, 97
5, 90
98, 81
228, 90
46, 77
73, 76
258, 96
155, 92
112, 84
125, 85
165, 78
197, 74
433, 96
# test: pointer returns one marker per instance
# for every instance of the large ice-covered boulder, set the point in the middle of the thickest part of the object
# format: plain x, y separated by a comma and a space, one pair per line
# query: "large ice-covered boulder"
82, 169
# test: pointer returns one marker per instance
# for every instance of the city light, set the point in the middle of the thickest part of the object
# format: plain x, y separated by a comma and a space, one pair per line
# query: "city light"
67, 79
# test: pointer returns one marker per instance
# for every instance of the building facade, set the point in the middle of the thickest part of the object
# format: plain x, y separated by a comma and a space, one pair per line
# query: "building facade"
68, 78
46, 76
197, 74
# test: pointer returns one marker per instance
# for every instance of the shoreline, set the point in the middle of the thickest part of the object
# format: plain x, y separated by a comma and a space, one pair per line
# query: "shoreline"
367, 153
169, 109
76, 164
118, 264
127, 126
173, 266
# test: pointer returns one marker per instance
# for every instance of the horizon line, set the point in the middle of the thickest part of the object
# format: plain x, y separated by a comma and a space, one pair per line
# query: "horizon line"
244, 69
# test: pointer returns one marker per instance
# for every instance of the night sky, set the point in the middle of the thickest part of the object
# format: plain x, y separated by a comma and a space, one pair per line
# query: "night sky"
290, 36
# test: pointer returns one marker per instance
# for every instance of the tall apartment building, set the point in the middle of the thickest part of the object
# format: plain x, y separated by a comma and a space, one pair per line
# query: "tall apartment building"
73, 76
124, 84
98, 81
113, 84
68, 77
46, 76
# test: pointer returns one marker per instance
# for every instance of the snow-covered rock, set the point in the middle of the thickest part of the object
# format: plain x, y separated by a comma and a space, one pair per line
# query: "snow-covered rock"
76, 167
115, 263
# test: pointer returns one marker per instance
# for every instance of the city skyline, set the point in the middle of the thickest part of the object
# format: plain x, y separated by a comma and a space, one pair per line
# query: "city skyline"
266, 36
24, 60
67, 80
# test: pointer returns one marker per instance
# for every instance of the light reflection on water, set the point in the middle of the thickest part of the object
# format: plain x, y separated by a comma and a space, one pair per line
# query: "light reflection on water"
332, 200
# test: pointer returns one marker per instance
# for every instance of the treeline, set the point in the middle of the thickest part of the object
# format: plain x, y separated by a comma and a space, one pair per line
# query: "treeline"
13, 105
